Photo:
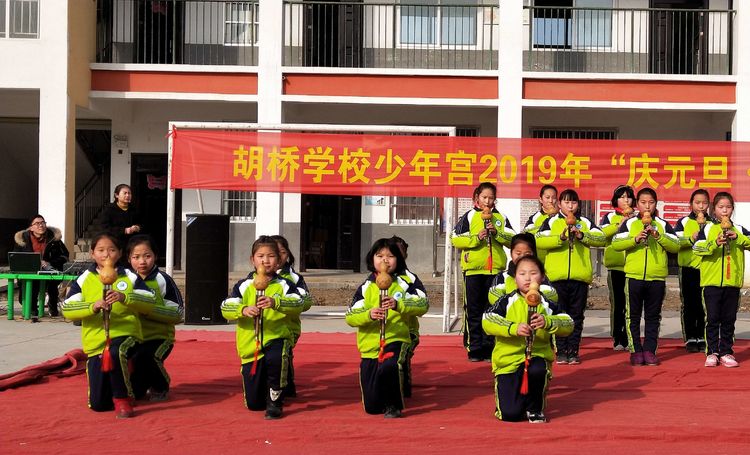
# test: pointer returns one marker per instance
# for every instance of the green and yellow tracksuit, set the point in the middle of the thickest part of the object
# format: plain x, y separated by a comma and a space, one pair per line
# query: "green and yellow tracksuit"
274, 322
125, 332
509, 355
692, 315
722, 276
533, 224
475, 252
647, 260
564, 262
123, 318
646, 269
411, 302
478, 273
295, 324
614, 261
381, 380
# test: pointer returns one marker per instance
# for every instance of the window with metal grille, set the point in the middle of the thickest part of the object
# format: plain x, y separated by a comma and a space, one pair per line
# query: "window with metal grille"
241, 24
239, 205
421, 210
422, 22
576, 133
558, 25
588, 208
19, 18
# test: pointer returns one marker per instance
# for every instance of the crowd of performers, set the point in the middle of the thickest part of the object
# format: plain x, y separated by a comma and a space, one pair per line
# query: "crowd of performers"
522, 319
531, 315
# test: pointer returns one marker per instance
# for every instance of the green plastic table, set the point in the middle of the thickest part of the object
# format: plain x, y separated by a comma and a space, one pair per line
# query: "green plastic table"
26, 280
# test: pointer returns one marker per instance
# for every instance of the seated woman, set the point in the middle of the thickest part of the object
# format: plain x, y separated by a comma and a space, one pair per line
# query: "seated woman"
47, 241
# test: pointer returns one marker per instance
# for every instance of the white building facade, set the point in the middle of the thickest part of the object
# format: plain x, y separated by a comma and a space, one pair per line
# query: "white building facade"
92, 86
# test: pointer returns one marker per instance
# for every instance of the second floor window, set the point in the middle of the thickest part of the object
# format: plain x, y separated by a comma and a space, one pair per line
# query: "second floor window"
241, 24
19, 18
587, 25
454, 24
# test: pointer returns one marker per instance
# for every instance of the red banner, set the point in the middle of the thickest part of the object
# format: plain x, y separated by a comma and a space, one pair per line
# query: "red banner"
442, 166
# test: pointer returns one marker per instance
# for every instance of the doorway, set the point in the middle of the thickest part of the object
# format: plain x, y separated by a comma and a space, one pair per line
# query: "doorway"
331, 228
333, 34
148, 177
159, 31
679, 38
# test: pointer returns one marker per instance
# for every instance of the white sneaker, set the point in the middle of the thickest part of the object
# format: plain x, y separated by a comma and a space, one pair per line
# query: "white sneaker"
729, 361
619, 347
712, 361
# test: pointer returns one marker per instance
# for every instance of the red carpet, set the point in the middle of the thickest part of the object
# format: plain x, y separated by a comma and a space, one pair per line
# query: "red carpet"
601, 405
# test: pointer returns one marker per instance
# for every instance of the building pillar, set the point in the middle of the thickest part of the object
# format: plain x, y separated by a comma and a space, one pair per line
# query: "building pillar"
57, 123
741, 124
270, 206
510, 89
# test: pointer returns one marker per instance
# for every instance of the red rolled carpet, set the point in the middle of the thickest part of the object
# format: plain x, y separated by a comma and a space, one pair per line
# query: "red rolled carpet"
602, 405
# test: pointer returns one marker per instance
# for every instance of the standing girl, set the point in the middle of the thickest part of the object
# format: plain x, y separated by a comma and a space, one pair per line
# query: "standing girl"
87, 302
721, 246
547, 207
646, 240
568, 237
381, 319
150, 375
623, 200
261, 304
286, 260
692, 315
523, 345
480, 234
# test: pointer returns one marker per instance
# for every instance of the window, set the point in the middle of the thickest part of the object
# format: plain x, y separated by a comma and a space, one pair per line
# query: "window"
557, 25
239, 205
19, 18
241, 24
421, 210
425, 23
578, 133
593, 27
588, 208
412, 210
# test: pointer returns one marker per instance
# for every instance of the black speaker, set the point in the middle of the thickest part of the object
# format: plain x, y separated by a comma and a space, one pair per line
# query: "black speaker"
206, 268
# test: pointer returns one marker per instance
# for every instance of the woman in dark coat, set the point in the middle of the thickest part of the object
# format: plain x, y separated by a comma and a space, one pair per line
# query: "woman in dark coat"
120, 217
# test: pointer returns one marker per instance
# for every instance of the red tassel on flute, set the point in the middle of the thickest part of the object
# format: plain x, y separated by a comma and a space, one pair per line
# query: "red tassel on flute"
525, 380
106, 358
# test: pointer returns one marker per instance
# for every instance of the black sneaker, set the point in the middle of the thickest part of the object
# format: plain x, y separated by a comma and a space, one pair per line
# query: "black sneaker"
476, 359
273, 411
392, 412
536, 417
574, 359
562, 359
692, 346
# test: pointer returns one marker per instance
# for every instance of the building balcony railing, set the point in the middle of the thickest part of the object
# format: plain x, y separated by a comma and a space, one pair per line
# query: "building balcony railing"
415, 34
206, 32
616, 40
445, 34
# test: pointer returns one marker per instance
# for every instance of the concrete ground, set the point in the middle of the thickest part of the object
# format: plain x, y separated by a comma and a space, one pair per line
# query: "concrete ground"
23, 343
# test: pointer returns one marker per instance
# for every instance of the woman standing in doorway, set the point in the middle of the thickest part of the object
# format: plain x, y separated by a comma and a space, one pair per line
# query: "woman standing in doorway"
120, 217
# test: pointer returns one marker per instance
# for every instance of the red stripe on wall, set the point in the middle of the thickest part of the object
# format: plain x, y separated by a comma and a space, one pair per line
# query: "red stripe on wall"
150, 81
391, 86
647, 91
